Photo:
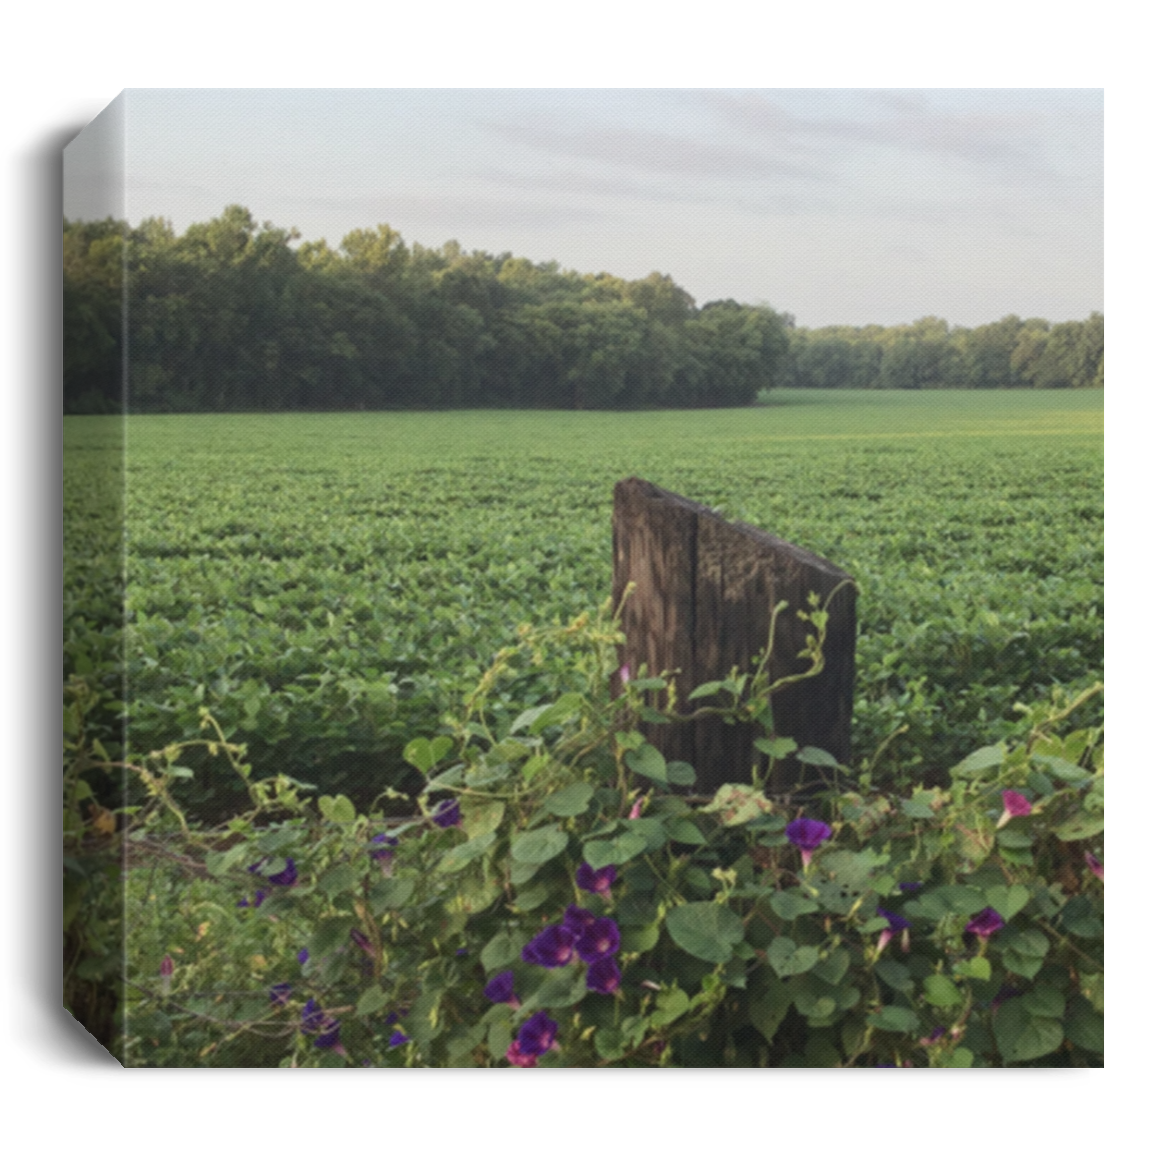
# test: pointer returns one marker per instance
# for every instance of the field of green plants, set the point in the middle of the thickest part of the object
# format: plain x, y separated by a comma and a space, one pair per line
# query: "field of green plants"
330, 586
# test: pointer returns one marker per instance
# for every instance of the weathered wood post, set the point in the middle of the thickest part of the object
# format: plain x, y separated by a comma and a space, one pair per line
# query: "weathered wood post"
704, 592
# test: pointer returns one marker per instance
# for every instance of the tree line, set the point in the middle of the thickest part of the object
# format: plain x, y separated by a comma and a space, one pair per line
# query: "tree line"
236, 315
929, 354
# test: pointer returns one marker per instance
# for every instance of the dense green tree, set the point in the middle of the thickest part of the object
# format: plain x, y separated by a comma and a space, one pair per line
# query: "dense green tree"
235, 314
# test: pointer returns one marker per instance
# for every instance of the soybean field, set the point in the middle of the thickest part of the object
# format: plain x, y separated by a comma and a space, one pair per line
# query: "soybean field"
328, 585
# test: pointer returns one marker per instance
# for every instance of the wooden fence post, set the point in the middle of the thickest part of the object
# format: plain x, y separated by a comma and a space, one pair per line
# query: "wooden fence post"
704, 592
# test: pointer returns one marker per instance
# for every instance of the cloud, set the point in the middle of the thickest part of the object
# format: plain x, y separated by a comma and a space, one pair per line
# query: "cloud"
655, 152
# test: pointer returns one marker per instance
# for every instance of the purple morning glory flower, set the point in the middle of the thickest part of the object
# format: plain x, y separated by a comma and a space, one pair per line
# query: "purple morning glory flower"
279, 994
362, 940
897, 924
599, 940
312, 1017
258, 898
553, 948
514, 1055
382, 850
256, 867
315, 1021
909, 887
537, 1035
398, 1038
933, 1037
985, 923
303, 955
286, 876
807, 834
604, 977
447, 813
1094, 865
499, 989
577, 919
596, 881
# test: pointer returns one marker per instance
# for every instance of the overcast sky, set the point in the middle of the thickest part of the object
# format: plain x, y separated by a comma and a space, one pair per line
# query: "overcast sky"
837, 206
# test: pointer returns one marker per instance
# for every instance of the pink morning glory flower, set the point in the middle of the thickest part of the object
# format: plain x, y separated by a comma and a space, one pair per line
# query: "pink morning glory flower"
1015, 805
1094, 865
624, 675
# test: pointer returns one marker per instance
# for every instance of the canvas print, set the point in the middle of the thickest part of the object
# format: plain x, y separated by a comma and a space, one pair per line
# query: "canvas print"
585, 578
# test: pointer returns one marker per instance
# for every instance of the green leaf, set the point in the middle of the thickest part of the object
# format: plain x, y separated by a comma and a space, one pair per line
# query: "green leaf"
330, 934
672, 1004
1063, 770
916, 808
704, 691
705, 930
832, 968
614, 851
500, 951
640, 938
1022, 1036
560, 988
1031, 942
812, 756
479, 818
1084, 1026
769, 1001
1008, 900
570, 801
980, 760
738, 804
894, 1018
1082, 825
789, 904
776, 748
371, 1001
647, 761
788, 958
390, 894
338, 879
1021, 964
533, 766
939, 991
685, 831
464, 853
538, 846
1078, 917
338, 809
419, 754
973, 968
681, 774
1014, 839
1045, 1002
960, 1057
895, 975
